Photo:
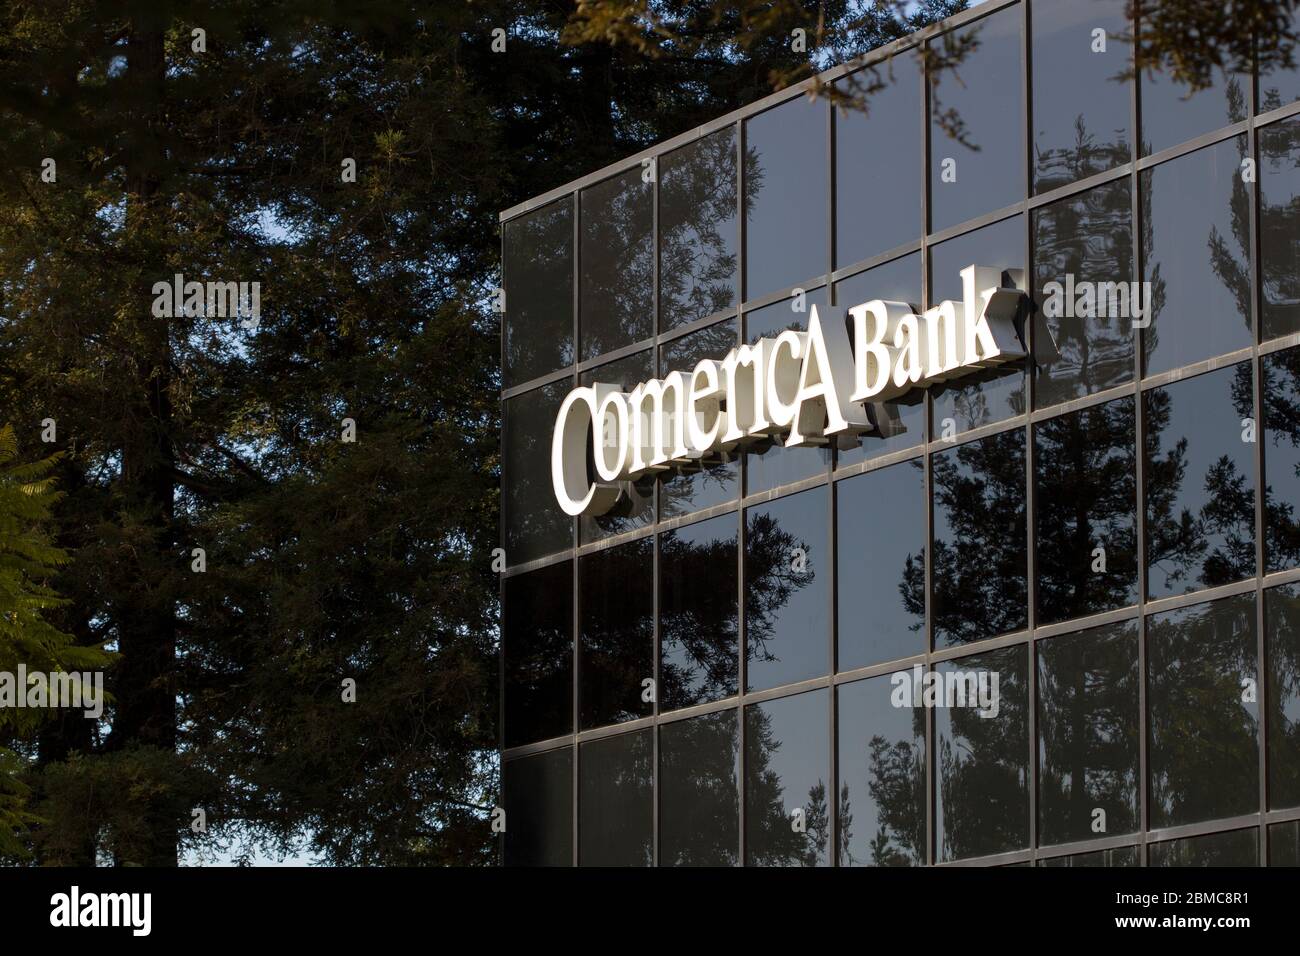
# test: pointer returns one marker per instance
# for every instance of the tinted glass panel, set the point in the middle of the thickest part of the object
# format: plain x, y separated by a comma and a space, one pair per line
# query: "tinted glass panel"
1284, 844
882, 777
616, 299
1282, 632
976, 128
1124, 856
617, 633
698, 621
1238, 848
786, 196
616, 801
1172, 114
983, 397
1085, 474
1279, 86
982, 762
538, 265
898, 425
787, 576
1081, 109
1197, 256
1282, 459
717, 479
1204, 752
635, 507
1279, 227
787, 779
792, 313
534, 524
1084, 283
979, 540
699, 791
537, 642
1088, 734
1200, 482
881, 570
878, 191
537, 795
698, 237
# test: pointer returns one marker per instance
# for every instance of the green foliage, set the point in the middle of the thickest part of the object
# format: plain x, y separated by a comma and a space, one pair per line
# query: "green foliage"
27, 562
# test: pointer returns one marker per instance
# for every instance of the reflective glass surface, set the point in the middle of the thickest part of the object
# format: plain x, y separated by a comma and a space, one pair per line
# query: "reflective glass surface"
787, 590
787, 781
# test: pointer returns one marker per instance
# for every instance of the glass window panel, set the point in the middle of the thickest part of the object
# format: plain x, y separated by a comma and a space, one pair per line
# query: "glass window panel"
698, 620
1204, 748
768, 462
1279, 86
1235, 848
787, 193
717, 479
882, 777
1279, 227
980, 549
898, 424
1085, 474
1088, 734
635, 506
787, 576
699, 791
1196, 256
982, 762
1281, 459
616, 801
769, 321
537, 795
1284, 844
1282, 630
698, 236
1122, 856
986, 115
537, 250
1200, 486
880, 543
535, 525
616, 298
537, 645
616, 634
1081, 108
787, 776
1084, 244
878, 191
1172, 114
899, 280
983, 397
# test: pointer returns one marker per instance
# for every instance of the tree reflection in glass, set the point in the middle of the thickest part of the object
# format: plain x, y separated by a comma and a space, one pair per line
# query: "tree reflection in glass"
980, 548
698, 620
982, 763
1200, 490
787, 766
1204, 712
616, 293
697, 230
882, 777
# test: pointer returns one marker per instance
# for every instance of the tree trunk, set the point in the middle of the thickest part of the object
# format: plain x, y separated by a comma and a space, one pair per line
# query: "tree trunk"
145, 682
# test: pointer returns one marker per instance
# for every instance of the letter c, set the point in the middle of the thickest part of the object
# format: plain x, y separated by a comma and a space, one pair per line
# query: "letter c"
573, 423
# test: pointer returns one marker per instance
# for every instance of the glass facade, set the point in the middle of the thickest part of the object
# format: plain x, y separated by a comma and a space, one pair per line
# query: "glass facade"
1044, 614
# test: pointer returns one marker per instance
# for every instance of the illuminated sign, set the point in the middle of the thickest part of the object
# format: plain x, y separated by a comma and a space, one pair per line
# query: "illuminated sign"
808, 386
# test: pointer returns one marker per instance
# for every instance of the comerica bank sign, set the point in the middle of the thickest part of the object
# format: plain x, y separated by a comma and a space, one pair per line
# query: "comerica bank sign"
810, 386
